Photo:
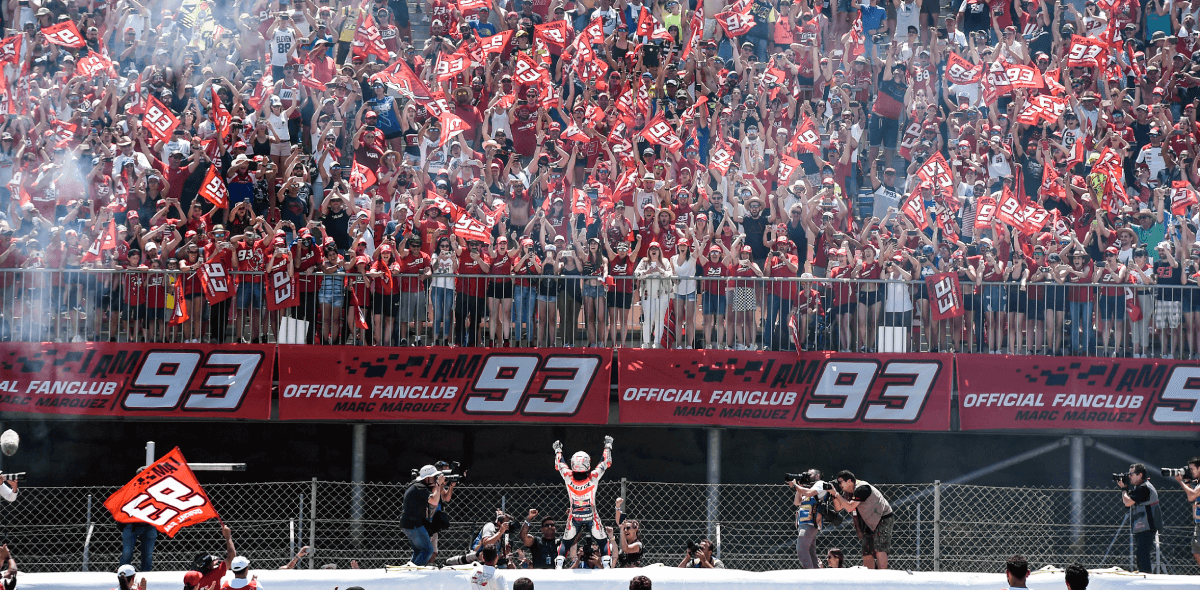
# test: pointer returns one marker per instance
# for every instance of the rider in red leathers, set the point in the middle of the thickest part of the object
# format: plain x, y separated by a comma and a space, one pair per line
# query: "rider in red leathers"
581, 482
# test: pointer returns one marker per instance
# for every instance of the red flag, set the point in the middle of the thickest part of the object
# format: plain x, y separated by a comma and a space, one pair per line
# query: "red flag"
985, 212
528, 72
574, 133
496, 43
179, 314
450, 65
220, 115
1024, 76
553, 34
214, 190
218, 285
451, 125
1052, 84
281, 290
158, 120
721, 158
10, 49
107, 240
735, 24
1182, 197
469, 229
806, 139
367, 39
645, 23
945, 293
361, 177
961, 71
91, 65
914, 208
165, 495
1086, 52
1010, 210
696, 32
65, 34
659, 132
787, 167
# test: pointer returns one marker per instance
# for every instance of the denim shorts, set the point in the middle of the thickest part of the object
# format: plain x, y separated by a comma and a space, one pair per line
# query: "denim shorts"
712, 304
547, 298
336, 299
688, 297
995, 298
249, 295
593, 291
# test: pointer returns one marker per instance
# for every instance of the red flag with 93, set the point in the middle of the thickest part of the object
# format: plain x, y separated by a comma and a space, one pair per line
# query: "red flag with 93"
64, 34
806, 139
496, 43
91, 65
158, 120
1182, 197
10, 49
450, 65
659, 131
735, 24
961, 71
165, 495
985, 212
214, 190
451, 125
914, 208
1086, 53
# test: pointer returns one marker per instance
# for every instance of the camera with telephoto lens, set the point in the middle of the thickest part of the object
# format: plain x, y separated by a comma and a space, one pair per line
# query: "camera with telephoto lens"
693, 548
1183, 472
588, 547
804, 478
446, 470
1121, 478
17, 477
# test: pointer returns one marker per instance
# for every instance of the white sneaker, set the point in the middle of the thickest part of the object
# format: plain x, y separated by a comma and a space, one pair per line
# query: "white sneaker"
77, 338
559, 561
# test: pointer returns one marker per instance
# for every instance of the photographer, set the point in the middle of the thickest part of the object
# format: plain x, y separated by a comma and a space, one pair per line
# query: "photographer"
1193, 496
543, 549
420, 499
873, 518
490, 536
587, 556
808, 518
701, 555
1145, 513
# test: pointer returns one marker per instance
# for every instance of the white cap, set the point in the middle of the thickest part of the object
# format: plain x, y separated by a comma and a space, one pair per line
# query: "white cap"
427, 471
239, 563
126, 571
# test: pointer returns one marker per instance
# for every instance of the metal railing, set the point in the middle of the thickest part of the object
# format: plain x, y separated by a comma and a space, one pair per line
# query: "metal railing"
938, 526
539, 310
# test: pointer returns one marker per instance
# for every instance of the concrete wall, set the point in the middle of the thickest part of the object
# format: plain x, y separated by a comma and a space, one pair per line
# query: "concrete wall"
61, 453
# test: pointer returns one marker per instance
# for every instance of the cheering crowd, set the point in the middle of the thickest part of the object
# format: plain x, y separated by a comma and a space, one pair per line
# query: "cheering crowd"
532, 172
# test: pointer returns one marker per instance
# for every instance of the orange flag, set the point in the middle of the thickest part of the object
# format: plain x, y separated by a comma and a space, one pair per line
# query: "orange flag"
165, 495
180, 314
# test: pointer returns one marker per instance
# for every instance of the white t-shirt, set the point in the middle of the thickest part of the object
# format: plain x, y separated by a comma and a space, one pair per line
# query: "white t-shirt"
684, 271
485, 577
1152, 156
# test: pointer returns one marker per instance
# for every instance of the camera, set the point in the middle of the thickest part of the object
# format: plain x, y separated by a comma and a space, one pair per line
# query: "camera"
588, 547
1174, 472
17, 477
447, 470
693, 548
803, 479
1121, 478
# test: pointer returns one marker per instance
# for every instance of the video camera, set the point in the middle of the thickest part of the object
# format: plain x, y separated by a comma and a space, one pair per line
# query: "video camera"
447, 470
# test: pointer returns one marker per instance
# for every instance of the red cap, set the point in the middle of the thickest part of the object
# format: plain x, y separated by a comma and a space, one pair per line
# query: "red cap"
192, 578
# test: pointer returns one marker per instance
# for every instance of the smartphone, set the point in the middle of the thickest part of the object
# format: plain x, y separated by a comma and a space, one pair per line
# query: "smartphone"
336, 124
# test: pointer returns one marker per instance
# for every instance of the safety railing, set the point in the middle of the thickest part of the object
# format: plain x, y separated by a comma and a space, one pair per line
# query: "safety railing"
938, 527
762, 313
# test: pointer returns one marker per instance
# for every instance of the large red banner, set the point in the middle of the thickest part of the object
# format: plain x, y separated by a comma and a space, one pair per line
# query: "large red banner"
722, 388
1020, 392
165, 495
445, 384
137, 380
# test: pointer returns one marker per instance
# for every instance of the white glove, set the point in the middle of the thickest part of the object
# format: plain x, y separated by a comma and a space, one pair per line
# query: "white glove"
608, 441
557, 446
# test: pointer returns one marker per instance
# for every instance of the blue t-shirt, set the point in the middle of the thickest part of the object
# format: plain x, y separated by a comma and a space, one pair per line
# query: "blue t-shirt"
872, 17
385, 108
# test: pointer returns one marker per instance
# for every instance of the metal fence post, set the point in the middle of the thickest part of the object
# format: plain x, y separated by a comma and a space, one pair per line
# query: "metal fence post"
714, 483
625, 493
937, 525
1077, 479
87, 539
299, 524
357, 476
312, 522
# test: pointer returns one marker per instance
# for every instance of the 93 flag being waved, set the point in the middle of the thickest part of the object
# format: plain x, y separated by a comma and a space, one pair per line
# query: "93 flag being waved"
165, 495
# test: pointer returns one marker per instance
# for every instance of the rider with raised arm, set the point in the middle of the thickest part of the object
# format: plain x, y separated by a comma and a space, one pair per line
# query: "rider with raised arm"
581, 482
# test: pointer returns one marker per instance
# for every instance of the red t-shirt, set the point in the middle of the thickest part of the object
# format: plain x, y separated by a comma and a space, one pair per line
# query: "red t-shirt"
467, 265
252, 260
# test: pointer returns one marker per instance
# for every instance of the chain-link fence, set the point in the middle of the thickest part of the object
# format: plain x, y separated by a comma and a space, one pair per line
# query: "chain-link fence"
938, 527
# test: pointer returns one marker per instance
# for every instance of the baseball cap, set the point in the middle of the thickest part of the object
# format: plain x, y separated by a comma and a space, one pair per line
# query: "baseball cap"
126, 571
239, 563
192, 578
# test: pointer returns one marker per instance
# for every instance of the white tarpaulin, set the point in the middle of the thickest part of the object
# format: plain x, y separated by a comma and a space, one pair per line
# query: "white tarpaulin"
664, 578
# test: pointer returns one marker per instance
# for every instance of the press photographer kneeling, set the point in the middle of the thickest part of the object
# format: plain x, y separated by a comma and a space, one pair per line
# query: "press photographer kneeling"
1145, 514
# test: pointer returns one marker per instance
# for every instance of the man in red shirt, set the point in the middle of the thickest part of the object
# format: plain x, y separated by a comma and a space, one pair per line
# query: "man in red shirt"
414, 268
471, 288
252, 262
212, 568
